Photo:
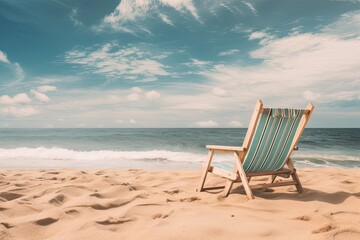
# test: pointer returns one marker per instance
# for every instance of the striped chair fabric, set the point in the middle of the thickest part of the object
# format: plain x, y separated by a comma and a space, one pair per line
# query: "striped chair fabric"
272, 140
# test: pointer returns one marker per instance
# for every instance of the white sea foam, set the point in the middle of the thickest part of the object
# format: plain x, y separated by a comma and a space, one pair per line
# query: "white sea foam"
67, 154
62, 157
326, 157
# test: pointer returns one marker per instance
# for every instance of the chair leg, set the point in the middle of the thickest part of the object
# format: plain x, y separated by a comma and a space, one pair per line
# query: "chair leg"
298, 186
205, 171
228, 187
243, 176
294, 176
273, 177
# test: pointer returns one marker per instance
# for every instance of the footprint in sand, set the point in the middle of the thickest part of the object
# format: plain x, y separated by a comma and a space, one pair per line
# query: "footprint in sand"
171, 192
162, 216
130, 187
326, 228
46, 221
189, 199
97, 195
58, 200
7, 225
72, 211
303, 218
118, 220
21, 184
8, 196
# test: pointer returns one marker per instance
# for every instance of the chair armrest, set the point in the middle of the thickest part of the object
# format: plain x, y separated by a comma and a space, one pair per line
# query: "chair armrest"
225, 148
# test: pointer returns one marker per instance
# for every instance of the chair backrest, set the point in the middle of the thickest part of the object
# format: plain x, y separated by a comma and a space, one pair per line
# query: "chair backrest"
272, 135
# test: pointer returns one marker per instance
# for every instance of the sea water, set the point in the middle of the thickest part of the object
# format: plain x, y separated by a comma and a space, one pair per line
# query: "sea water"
159, 148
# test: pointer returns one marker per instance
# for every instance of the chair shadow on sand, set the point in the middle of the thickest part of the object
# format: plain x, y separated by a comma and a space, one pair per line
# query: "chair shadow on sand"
307, 195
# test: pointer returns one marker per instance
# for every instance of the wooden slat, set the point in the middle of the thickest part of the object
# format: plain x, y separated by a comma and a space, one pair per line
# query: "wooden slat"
306, 111
254, 174
243, 176
252, 124
225, 148
221, 172
205, 170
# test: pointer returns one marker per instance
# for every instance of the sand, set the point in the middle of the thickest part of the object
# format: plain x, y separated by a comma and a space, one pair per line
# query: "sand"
160, 204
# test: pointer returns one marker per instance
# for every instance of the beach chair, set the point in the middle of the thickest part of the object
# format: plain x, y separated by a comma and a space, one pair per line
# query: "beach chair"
270, 139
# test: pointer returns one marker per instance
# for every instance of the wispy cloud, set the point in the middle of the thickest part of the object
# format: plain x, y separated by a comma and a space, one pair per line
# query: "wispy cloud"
251, 7
115, 61
75, 18
229, 52
55, 79
166, 19
14, 66
321, 67
129, 15
3, 57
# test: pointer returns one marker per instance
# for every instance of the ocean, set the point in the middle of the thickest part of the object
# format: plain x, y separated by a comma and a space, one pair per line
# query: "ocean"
159, 148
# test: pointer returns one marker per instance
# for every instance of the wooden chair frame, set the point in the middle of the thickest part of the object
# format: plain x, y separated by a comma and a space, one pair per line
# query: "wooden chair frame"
238, 174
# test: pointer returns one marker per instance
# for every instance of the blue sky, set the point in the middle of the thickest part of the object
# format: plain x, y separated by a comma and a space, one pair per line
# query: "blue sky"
176, 63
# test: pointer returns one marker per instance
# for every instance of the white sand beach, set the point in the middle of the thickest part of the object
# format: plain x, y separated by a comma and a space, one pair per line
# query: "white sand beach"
160, 204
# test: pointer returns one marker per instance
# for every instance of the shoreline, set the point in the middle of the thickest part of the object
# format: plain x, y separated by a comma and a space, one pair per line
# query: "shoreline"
162, 204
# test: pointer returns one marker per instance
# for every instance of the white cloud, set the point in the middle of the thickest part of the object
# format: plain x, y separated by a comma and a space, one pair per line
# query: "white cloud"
257, 35
3, 57
55, 79
133, 97
311, 96
291, 65
119, 121
17, 99
17, 111
74, 18
206, 124
129, 15
347, 26
44, 89
251, 7
234, 124
115, 61
229, 52
42, 97
18, 71
166, 19
153, 95
16, 68
132, 121
181, 5
136, 90
219, 91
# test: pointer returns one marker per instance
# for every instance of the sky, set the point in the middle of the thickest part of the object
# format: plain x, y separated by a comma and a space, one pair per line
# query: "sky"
176, 63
